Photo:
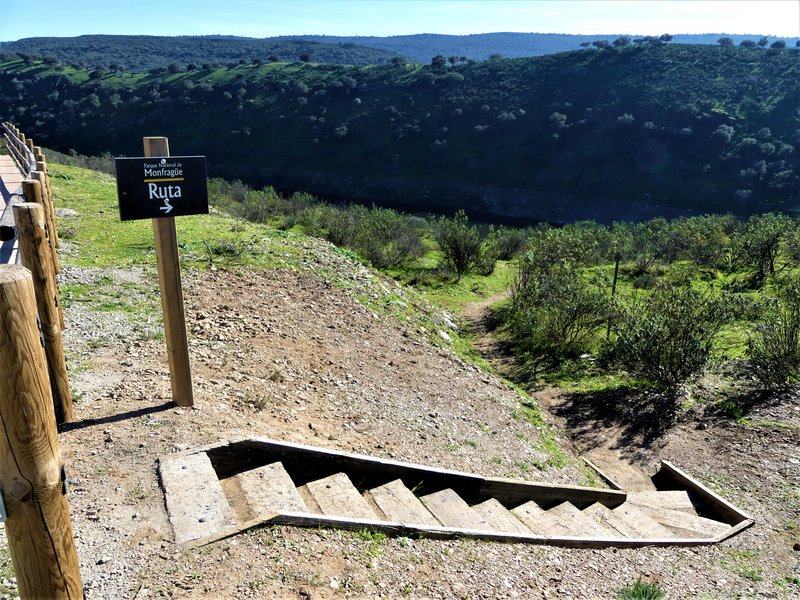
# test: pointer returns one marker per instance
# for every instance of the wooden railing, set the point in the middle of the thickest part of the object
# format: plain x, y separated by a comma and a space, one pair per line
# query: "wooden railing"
20, 148
34, 389
33, 224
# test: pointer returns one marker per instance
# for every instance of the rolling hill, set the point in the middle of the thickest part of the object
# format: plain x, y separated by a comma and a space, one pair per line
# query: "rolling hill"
628, 133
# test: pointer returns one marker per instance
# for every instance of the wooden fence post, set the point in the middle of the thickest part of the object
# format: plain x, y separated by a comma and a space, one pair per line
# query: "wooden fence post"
34, 191
31, 473
169, 277
47, 193
35, 252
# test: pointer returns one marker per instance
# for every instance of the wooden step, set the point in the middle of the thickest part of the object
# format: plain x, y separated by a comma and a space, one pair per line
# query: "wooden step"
196, 504
644, 524
451, 510
670, 499
336, 496
685, 525
611, 520
529, 513
571, 519
397, 503
499, 518
269, 489
542, 522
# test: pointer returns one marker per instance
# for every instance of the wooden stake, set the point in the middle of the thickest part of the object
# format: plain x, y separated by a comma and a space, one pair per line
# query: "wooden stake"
32, 190
169, 277
31, 474
35, 253
47, 192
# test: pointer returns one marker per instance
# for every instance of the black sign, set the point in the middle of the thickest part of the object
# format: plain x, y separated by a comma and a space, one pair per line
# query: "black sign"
170, 186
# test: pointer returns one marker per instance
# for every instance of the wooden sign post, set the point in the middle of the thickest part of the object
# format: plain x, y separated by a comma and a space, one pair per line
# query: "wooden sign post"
169, 277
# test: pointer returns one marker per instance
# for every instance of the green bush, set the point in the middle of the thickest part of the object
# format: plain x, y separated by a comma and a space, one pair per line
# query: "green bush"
668, 336
554, 312
459, 242
387, 238
774, 346
641, 590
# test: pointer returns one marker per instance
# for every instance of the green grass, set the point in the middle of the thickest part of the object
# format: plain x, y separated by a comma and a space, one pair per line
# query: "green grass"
641, 590
744, 564
102, 240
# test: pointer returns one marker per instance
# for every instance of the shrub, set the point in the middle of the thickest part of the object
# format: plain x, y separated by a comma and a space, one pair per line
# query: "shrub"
508, 242
774, 346
668, 336
387, 238
554, 311
459, 242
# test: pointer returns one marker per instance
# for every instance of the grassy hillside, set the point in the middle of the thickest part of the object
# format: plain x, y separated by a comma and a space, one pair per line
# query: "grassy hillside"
671, 128
140, 53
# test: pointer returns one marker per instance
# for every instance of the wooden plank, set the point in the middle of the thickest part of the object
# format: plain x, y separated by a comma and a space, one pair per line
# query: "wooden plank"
669, 499
445, 533
269, 489
642, 522
509, 492
336, 495
499, 517
611, 520
725, 510
196, 504
683, 524
399, 504
452, 511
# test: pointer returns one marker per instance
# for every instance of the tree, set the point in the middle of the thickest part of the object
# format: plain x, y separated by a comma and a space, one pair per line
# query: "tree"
778, 45
725, 41
585, 44
459, 243
763, 41
452, 60
622, 41
760, 243
438, 62
601, 44
305, 57
174, 68
747, 44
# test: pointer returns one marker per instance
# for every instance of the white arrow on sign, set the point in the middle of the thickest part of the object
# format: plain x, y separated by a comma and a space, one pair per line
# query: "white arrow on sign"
166, 208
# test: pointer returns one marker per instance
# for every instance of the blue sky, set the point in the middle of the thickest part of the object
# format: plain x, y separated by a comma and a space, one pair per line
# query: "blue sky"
263, 18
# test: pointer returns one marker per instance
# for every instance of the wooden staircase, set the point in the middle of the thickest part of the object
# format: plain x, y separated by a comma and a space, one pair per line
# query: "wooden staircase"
214, 492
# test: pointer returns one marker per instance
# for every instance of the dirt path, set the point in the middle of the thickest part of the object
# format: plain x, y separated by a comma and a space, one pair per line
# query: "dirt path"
622, 453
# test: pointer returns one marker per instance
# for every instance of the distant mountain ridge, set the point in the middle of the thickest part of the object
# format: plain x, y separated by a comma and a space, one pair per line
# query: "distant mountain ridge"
422, 47
139, 53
